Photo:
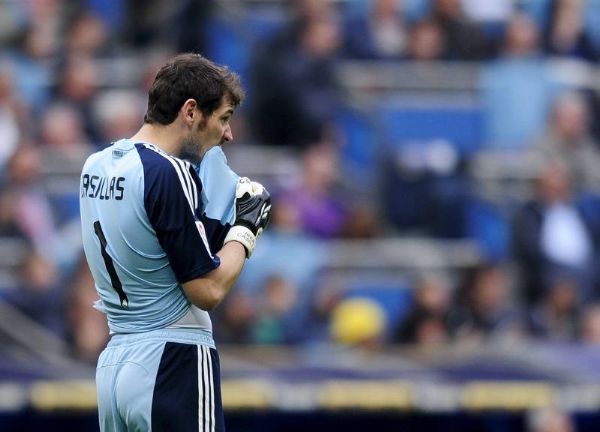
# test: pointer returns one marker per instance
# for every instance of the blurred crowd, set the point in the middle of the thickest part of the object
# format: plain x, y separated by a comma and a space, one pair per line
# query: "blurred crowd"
74, 76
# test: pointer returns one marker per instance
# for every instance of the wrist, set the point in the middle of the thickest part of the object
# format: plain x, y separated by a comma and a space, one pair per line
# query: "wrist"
242, 235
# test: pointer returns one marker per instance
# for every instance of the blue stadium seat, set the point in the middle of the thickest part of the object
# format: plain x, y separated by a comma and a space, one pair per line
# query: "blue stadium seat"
228, 44
265, 21
359, 147
111, 12
461, 125
488, 226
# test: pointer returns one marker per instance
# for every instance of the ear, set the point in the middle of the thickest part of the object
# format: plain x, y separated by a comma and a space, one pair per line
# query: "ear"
189, 110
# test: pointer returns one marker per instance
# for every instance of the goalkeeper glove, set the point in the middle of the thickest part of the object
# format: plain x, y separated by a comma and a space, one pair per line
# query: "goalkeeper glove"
253, 214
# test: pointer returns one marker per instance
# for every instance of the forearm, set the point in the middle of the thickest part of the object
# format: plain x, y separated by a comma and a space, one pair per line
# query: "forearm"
233, 257
209, 290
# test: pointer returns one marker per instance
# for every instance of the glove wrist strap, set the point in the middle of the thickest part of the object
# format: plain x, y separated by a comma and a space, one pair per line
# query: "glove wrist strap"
242, 235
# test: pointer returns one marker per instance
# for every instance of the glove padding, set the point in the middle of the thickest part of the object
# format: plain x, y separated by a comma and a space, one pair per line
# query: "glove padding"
253, 214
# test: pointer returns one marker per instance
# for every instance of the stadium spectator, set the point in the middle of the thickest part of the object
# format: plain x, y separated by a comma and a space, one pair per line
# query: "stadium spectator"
426, 41
64, 143
88, 329
14, 240
63, 147
273, 323
552, 237
274, 315
590, 324
32, 207
43, 27
484, 308
556, 317
118, 112
146, 23
427, 322
567, 140
296, 92
321, 211
565, 34
463, 39
301, 12
87, 36
10, 227
234, 319
379, 33
27, 63
190, 25
41, 295
78, 83
522, 38
52, 229
517, 75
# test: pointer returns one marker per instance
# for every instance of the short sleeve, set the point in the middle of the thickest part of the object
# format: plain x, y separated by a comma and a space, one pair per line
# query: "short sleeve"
172, 191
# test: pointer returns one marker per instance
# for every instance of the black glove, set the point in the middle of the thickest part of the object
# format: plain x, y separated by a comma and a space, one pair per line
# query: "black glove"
253, 214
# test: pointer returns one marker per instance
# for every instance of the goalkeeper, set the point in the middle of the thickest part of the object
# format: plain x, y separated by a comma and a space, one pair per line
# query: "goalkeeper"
159, 259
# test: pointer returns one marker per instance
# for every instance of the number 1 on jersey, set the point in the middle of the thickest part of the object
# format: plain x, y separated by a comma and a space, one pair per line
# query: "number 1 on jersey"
110, 266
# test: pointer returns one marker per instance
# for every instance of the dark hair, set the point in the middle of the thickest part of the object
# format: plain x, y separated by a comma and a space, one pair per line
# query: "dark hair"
190, 76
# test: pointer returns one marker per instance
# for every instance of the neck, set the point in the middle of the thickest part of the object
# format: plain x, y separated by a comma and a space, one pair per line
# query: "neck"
164, 137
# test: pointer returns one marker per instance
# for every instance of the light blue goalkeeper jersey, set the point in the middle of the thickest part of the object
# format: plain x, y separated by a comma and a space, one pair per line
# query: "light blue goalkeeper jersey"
150, 225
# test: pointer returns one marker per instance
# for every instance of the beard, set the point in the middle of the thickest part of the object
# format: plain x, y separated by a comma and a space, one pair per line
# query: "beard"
191, 149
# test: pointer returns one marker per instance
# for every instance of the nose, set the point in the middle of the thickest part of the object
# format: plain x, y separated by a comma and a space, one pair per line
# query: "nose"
227, 135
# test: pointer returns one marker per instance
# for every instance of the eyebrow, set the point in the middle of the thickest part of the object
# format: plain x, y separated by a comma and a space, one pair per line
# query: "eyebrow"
228, 112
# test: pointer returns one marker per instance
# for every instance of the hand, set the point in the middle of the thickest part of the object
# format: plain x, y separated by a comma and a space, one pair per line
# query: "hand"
253, 214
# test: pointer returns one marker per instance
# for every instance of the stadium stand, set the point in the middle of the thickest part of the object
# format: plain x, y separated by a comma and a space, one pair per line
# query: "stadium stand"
431, 162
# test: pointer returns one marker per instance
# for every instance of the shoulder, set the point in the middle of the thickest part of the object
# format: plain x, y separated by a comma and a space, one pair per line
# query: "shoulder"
161, 165
154, 157
94, 158
164, 175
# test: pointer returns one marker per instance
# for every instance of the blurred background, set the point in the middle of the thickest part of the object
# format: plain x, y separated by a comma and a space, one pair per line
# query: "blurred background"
435, 165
